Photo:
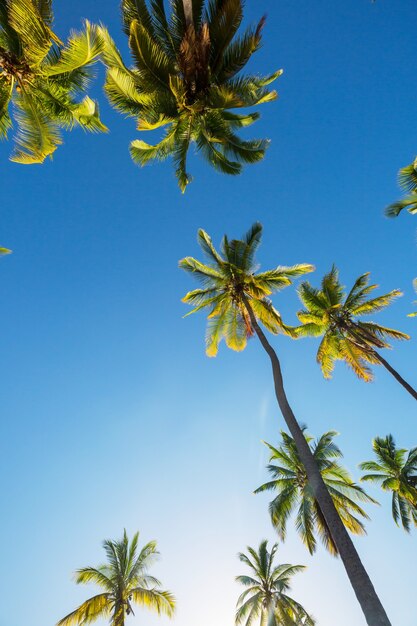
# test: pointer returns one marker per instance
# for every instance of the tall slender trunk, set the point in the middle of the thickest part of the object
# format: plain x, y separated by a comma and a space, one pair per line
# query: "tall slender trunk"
188, 12
367, 597
396, 375
362, 335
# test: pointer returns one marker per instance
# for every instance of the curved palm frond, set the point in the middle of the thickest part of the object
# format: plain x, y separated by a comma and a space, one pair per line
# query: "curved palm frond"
266, 594
331, 313
296, 496
44, 78
396, 472
187, 76
125, 580
228, 280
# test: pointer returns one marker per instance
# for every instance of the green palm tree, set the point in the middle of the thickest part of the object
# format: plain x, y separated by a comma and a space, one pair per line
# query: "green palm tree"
186, 77
236, 297
294, 493
43, 79
330, 313
265, 598
397, 473
407, 179
125, 581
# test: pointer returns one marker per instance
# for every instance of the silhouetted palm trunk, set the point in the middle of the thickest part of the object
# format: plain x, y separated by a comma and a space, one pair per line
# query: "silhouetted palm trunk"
371, 605
359, 334
396, 375
188, 12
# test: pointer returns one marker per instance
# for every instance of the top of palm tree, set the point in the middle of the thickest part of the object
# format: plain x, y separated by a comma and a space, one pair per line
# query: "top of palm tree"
43, 78
125, 581
265, 597
407, 180
187, 77
229, 282
395, 471
337, 316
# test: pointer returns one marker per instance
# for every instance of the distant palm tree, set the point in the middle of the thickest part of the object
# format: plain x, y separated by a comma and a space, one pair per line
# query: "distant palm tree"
43, 79
330, 313
397, 473
294, 491
265, 598
237, 299
186, 77
125, 581
407, 179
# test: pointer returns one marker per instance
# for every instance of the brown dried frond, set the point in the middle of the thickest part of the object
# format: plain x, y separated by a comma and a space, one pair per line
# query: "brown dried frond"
194, 61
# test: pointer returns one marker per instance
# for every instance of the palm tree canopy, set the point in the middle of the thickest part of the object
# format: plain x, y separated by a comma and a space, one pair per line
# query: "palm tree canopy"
395, 471
228, 279
188, 79
43, 78
336, 316
294, 492
265, 597
407, 180
125, 581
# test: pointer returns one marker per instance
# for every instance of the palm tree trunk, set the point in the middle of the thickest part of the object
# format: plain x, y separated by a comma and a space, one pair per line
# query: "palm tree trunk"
396, 375
188, 12
371, 606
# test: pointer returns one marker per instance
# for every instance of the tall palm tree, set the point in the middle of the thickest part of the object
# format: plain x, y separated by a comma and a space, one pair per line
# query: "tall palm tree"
330, 313
407, 179
186, 77
125, 581
237, 299
290, 482
265, 598
397, 473
43, 79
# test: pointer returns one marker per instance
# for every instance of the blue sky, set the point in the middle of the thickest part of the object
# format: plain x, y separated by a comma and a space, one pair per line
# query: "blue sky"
113, 416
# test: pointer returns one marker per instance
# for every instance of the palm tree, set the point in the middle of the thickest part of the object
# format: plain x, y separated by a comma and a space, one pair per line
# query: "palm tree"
290, 481
330, 313
265, 597
397, 473
237, 299
43, 78
125, 581
407, 179
186, 77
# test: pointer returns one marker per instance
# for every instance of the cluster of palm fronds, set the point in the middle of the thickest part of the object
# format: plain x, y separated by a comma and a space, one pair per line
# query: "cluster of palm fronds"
186, 77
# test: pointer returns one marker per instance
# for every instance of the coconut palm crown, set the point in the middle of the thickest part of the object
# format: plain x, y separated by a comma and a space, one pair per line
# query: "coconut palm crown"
43, 79
330, 313
407, 180
125, 581
396, 471
294, 492
187, 78
229, 280
266, 598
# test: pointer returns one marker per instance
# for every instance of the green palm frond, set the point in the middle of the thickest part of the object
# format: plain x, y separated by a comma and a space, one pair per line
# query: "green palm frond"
126, 580
191, 79
396, 472
37, 137
331, 313
230, 284
407, 179
44, 80
35, 35
89, 611
295, 495
265, 596
82, 49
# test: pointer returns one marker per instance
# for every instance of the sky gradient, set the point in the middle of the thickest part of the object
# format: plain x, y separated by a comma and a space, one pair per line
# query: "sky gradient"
113, 417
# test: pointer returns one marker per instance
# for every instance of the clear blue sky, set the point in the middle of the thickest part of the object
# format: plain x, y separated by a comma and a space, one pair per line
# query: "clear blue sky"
113, 416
